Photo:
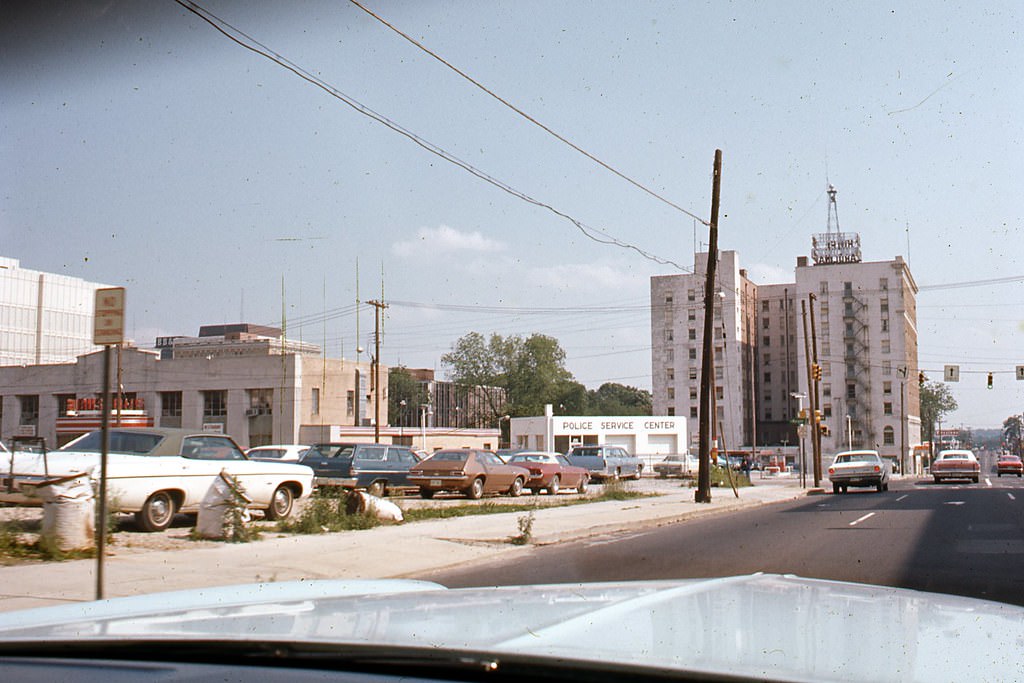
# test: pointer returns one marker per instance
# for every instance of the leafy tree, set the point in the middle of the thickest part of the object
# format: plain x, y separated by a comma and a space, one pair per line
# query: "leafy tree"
618, 399
1013, 433
403, 387
936, 402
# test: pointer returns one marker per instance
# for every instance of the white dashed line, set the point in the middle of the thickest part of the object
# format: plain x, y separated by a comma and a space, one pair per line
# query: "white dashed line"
1011, 496
988, 481
861, 519
905, 495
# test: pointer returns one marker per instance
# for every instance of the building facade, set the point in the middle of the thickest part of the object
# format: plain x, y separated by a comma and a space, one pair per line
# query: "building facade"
44, 317
864, 331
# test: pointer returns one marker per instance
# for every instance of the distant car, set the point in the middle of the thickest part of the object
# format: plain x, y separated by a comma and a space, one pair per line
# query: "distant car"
606, 462
378, 468
858, 468
677, 466
155, 472
551, 472
278, 453
1009, 464
469, 471
956, 464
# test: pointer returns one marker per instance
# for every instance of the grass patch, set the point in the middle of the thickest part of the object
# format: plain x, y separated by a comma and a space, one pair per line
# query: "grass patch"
327, 512
16, 547
525, 535
719, 477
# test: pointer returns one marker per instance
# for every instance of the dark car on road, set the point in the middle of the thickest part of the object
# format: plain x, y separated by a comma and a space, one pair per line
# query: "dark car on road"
378, 468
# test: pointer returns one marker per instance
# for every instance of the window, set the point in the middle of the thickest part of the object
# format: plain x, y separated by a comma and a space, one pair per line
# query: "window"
350, 403
883, 284
671, 392
887, 408
693, 411
767, 415
886, 387
767, 359
668, 334
765, 323
826, 390
886, 346
65, 403
314, 401
693, 393
766, 341
215, 404
170, 404
671, 410
886, 367
851, 391
670, 374
885, 324
692, 334
29, 409
693, 373
847, 288
719, 393
670, 354
718, 373
888, 437
693, 353
823, 288
261, 402
849, 329
668, 299
690, 296
765, 306
767, 378
826, 410
691, 314
885, 305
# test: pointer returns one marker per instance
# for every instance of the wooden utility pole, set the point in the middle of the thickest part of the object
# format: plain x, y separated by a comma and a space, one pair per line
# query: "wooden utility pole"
811, 395
379, 307
816, 433
703, 493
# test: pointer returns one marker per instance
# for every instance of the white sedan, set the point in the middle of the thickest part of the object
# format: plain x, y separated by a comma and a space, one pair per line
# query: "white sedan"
157, 472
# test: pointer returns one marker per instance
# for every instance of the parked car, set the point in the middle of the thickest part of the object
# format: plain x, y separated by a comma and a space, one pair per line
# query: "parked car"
378, 468
551, 472
470, 471
858, 468
1009, 464
677, 465
157, 472
956, 464
606, 462
279, 453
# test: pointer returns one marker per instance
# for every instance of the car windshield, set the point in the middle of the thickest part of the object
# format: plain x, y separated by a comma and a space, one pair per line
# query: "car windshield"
135, 443
777, 244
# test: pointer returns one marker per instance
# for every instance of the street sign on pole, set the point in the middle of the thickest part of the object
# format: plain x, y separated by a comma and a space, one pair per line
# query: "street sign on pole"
108, 319
951, 373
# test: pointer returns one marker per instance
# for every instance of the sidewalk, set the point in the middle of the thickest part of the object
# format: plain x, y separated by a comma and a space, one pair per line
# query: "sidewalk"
383, 552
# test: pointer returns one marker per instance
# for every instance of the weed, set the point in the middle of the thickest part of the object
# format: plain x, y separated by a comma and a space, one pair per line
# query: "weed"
325, 512
525, 535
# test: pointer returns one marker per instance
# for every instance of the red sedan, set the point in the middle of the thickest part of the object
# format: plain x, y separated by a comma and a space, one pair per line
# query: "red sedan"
1009, 464
551, 472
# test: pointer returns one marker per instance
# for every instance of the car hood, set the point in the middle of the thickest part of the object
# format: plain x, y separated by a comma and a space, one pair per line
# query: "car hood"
758, 626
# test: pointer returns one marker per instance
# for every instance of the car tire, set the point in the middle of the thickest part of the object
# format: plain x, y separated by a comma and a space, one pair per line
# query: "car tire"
974, 479
879, 487
476, 489
536, 492
639, 472
281, 503
555, 485
582, 488
426, 494
937, 480
885, 486
516, 489
377, 489
157, 512
844, 489
662, 475
835, 488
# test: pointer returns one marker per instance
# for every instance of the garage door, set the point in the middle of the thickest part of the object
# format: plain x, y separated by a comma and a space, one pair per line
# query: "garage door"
627, 441
661, 444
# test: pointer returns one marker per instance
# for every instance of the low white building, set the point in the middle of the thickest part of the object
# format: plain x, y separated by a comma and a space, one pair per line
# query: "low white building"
648, 436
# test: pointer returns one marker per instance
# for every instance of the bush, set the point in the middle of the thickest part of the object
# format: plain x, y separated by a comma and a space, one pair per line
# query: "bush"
325, 512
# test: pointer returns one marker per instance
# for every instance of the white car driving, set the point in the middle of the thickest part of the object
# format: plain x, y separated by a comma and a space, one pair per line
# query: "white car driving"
158, 472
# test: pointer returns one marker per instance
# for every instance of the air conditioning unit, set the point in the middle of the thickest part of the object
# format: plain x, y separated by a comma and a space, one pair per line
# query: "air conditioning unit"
252, 412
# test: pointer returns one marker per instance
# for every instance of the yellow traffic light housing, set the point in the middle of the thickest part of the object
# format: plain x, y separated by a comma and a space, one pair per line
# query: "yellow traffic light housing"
990, 380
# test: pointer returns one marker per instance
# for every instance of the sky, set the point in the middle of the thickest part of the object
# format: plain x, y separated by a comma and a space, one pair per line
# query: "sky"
143, 148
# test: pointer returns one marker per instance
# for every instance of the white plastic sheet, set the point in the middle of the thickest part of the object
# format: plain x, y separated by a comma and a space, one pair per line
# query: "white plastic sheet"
215, 517
69, 513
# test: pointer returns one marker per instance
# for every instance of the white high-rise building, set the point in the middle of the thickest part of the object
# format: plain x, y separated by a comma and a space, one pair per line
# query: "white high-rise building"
44, 317
865, 334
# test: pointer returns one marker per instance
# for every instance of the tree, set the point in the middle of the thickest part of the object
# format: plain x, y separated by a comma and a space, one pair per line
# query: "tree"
1013, 433
403, 387
936, 402
618, 399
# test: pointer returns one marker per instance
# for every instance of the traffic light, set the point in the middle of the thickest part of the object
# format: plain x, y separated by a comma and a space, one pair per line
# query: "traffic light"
920, 379
803, 414
990, 380
825, 431
817, 416
815, 371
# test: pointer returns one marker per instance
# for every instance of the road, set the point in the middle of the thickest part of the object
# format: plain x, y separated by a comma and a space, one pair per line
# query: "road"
966, 539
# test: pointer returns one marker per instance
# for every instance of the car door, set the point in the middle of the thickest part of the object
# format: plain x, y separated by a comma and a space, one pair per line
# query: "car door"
399, 460
369, 464
499, 475
570, 476
203, 456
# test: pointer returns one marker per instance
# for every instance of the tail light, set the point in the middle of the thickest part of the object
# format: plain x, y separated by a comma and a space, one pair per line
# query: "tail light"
877, 468
831, 470
535, 472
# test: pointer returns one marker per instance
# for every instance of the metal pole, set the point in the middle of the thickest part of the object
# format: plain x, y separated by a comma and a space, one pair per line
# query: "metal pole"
703, 493
101, 525
810, 380
816, 428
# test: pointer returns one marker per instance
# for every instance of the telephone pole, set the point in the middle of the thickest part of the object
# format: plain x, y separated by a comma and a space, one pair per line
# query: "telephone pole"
703, 493
811, 395
379, 307
816, 433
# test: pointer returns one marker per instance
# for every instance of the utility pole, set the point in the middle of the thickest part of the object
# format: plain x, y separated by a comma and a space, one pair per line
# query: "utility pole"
379, 307
903, 420
811, 407
703, 493
816, 433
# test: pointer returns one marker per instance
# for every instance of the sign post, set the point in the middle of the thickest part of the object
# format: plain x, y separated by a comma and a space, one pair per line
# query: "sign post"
108, 330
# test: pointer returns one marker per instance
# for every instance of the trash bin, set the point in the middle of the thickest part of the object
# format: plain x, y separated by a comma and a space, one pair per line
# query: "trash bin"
69, 513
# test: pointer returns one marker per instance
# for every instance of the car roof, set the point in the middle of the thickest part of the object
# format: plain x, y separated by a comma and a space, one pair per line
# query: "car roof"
170, 444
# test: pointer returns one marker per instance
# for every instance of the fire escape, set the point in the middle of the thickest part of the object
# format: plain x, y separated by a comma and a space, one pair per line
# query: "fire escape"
856, 355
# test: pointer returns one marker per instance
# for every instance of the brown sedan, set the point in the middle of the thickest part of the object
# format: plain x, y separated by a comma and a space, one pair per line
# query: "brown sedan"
472, 472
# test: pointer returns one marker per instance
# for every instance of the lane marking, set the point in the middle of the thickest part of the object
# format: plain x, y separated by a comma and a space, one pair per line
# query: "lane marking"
988, 481
1012, 497
954, 502
861, 519
905, 495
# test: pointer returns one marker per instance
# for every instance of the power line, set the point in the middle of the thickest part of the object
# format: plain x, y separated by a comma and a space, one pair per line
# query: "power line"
254, 45
972, 283
526, 116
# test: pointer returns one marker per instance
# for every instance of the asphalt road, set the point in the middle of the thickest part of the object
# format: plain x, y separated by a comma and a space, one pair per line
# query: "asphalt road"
966, 539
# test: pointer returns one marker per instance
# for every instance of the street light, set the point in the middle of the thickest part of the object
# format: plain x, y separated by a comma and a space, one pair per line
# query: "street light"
401, 421
801, 432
